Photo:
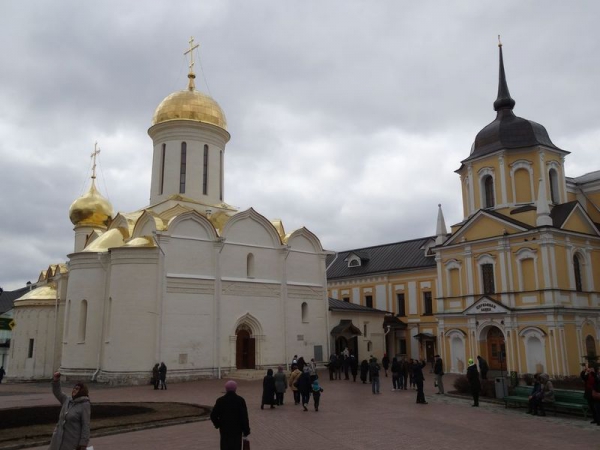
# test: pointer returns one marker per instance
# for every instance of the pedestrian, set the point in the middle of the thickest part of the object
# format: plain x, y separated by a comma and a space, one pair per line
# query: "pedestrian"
293, 379
2, 373
588, 375
404, 374
332, 366
162, 374
73, 428
483, 367
312, 367
353, 367
438, 371
347, 367
535, 397
268, 393
346, 352
155, 376
396, 385
230, 417
547, 393
304, 386
280, 385
419, 379
364, 370
339, 366
301, 364
385, 362
294, 360
316, 393
374, 372
473, 377
411, 373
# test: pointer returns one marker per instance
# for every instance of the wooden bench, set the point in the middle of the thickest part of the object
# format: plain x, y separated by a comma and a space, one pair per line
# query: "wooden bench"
520, 396
564, 400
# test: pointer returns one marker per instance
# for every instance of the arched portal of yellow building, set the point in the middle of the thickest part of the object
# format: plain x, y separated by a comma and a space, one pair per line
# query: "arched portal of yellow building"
492, 347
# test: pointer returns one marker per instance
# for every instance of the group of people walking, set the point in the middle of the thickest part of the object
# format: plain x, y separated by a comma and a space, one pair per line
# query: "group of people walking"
303, 381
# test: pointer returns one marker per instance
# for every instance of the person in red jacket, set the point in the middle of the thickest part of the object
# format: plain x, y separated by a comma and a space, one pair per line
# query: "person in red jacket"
588, 375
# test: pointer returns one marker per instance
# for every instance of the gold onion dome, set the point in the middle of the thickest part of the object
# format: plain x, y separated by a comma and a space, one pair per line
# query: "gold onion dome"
91, 209
190, 104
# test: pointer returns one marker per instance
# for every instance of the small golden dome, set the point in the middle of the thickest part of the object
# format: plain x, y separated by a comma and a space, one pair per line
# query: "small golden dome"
91, 209
190, 104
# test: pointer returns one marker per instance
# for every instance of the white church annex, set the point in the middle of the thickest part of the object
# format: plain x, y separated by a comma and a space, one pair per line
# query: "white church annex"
188, 280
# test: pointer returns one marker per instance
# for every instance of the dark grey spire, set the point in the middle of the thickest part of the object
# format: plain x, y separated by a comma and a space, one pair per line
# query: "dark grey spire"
504, 100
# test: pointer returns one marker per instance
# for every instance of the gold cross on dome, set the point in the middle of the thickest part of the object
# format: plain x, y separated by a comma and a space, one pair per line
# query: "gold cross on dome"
191, 52
93, 156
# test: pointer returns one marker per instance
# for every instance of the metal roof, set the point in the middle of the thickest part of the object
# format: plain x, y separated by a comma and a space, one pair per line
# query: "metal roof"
7, 298
339, 305
398, 256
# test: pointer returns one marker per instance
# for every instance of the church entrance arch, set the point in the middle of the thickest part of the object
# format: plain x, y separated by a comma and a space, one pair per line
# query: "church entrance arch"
245, 348
496, 348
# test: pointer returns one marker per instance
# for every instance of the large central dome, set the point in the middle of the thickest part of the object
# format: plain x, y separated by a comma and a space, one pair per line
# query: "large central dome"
190, 104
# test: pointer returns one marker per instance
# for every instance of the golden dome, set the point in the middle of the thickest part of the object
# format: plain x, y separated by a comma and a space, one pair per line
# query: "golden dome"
91, 209
190, 104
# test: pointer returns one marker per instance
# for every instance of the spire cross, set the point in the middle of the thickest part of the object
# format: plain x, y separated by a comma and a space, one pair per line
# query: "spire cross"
93, 156
191, 52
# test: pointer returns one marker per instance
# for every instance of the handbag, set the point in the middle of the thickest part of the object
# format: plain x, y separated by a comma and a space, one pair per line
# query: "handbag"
246, 445
596, 396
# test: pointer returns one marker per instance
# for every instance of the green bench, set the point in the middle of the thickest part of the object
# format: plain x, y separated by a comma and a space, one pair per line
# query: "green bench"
564, 400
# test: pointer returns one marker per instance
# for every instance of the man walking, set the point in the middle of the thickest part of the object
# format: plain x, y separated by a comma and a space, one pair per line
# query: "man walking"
438, 371
474, 383
230, 417
374, 372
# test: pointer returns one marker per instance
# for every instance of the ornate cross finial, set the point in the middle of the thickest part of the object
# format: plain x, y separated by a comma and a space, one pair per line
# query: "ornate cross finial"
191, 75
93, 156
499, 41
191, 52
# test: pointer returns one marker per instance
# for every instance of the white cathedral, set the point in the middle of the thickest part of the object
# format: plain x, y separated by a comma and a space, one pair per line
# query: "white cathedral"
187, 280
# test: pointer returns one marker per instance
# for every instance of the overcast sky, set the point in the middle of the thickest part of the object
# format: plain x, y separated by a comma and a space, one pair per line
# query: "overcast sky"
347, 117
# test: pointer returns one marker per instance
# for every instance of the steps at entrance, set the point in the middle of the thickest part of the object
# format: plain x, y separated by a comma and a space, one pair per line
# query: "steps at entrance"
246, 374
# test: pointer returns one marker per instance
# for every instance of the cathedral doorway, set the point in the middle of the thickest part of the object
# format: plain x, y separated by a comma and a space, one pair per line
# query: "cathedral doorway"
496, 349
245, 349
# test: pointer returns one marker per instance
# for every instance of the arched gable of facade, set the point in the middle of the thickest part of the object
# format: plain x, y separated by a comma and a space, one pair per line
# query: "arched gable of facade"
251, 322
146, 225
250, 227
304, 240
251, 334
192, 224
534, 342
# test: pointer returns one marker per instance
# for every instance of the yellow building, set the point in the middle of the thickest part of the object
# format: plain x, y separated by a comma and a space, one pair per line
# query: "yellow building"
515, 281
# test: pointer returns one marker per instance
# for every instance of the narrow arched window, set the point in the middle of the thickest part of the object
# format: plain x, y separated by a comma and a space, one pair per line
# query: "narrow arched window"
554, 196
304, 312
577, 271
488, 185
162, 169
250, 265
83, 320
205, 171
182, 168
590, 346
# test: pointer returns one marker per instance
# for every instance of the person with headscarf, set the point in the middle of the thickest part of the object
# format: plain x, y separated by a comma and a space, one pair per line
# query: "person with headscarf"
547, 393
230, 417
304, 386
268, 394
364, 370
280, 385
474, 383
73, 428
316, 390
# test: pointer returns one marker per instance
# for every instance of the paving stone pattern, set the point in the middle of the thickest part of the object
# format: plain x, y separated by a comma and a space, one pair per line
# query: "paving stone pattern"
349, 417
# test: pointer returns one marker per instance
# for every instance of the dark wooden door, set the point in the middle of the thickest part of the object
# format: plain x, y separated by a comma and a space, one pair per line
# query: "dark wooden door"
496, 349
245, 350
429, 350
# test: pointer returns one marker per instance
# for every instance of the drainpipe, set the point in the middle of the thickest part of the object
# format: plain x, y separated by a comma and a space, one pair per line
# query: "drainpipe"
105, 300
388, 329
328, 333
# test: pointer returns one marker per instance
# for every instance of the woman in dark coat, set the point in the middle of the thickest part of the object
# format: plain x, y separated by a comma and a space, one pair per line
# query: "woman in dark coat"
268, 395
419, 379
385, 362
364, 370
396, 385
304, 387
353, 367
162, 370
473, 377
155, 376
